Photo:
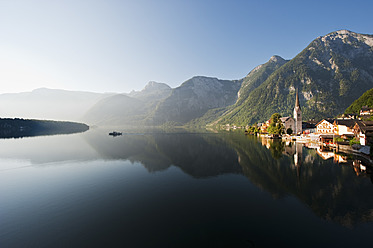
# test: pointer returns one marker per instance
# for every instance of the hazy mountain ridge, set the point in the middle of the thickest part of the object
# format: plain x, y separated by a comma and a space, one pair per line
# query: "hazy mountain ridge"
46, 103
114, 110
194, 98
153, 91
134, 108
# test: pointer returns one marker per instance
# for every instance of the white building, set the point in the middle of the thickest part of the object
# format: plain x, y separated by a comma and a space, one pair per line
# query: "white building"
344, 127
325, 127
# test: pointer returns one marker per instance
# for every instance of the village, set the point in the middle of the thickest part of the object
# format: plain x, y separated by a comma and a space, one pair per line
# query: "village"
350, 134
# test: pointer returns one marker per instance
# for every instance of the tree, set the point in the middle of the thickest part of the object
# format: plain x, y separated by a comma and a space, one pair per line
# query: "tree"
276, 126
253, 129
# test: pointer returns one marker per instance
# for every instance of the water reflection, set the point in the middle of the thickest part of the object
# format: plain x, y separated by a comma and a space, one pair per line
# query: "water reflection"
199, 155
328, 186
336, 187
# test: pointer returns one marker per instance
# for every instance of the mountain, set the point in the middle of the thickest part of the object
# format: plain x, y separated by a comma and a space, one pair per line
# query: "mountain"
157, 103
49, 104
114, 110
257, 76
249, 83
153, 91
194, 98
365, 100
128, 109
330, 74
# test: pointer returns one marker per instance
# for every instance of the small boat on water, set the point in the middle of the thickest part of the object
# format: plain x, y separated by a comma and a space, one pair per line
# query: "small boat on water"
114, 133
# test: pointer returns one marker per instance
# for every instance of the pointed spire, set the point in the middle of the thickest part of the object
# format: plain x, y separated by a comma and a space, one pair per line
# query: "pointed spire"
297, 99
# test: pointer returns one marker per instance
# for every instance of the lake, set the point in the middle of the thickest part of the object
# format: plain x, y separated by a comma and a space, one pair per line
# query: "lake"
180, 189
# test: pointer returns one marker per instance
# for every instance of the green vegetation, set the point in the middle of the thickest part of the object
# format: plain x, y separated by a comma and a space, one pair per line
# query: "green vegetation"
207, 118
338, 139
253, 129
276, 126
354, 141
17, 128
365, 100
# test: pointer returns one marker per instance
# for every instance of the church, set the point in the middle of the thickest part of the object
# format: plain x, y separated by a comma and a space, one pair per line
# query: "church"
295, 122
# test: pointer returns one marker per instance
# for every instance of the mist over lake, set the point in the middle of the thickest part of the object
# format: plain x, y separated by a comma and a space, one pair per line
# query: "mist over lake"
180, 189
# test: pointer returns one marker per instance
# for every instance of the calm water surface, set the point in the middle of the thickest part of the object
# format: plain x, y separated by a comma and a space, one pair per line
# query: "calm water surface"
180, 190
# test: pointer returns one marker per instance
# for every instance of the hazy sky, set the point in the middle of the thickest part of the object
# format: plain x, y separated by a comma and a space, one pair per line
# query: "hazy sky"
118, 46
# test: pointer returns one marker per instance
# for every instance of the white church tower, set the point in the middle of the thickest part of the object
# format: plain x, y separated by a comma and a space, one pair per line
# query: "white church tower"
297, 116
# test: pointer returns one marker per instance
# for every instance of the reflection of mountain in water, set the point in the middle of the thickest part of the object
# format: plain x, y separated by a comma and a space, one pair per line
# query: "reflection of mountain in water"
197, 155
332, 191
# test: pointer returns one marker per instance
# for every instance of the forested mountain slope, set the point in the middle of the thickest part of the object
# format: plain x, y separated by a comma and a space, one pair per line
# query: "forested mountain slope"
330, 74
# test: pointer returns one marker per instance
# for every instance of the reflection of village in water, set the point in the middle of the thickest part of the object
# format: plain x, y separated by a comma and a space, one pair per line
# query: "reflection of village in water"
294, 150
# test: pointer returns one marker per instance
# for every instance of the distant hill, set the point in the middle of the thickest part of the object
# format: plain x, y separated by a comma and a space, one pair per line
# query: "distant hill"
119, 109
152, 92
158, 104
17, 128
134, 108
330, 74
365, 100
49, 104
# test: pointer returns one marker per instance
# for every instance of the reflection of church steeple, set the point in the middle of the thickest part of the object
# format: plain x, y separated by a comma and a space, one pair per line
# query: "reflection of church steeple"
298, 157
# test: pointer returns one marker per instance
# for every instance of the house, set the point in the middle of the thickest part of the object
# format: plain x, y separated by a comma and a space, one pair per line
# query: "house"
325, 126
309, 127
363, 130
348, 116
344, 127
365, 110
264, 126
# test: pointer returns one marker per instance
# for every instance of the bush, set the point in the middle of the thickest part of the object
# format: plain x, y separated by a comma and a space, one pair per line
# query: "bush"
354, 141
338, 139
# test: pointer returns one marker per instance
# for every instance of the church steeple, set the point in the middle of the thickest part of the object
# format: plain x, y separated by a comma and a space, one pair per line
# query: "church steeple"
297, 100
297, 115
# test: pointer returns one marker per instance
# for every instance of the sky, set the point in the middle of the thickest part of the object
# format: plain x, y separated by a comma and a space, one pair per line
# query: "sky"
119, 46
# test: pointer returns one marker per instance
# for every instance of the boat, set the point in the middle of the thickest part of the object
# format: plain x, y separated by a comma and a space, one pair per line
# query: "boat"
114, 133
